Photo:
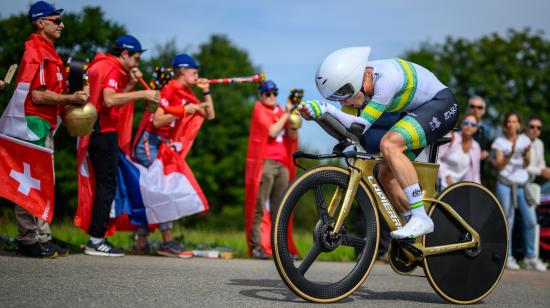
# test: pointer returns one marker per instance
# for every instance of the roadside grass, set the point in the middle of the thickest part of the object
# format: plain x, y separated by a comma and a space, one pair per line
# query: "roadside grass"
192, 238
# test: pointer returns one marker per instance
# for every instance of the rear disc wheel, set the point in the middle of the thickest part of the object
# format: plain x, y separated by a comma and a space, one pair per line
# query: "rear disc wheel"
467, 276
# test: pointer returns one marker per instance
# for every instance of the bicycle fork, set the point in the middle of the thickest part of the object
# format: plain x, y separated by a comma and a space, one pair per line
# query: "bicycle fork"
354, 180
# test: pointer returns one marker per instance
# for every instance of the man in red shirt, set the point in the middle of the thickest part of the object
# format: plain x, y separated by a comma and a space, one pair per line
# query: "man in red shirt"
267, 162
40, 84
160, 128
112, 78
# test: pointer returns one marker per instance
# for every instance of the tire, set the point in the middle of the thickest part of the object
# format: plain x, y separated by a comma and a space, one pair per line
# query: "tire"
302, 282
467, 276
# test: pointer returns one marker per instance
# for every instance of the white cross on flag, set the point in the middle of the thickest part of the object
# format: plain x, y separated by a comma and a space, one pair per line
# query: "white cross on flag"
26, 176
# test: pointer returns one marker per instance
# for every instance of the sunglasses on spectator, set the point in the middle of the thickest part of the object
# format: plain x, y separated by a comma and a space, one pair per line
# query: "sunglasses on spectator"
472, 124
268, 94
535, 127
477, 107
56, 21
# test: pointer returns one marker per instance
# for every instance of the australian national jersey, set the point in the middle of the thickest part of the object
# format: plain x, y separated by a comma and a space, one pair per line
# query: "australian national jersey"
399, 85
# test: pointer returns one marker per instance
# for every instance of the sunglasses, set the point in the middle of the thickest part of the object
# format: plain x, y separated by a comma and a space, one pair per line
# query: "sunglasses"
472, 124
535, 127
477, 107
56, 21
268, 94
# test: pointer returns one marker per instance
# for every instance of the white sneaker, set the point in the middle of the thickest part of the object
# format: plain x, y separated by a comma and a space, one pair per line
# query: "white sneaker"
511, 264
414, 228
406, 216
534, 264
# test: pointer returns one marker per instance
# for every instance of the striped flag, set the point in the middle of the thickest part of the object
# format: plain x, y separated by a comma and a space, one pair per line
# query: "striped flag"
165, 191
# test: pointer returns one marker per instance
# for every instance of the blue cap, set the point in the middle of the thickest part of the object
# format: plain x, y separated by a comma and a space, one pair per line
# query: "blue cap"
267, 85
42, 9
128, 42
184, 61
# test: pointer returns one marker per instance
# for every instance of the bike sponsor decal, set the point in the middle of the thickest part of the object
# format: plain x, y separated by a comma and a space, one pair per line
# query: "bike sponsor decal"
385, 202
451, 112
435, 123
440, 249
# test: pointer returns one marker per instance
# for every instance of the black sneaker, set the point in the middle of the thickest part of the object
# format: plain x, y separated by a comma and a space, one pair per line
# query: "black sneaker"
51, 246
35, 250
103, 249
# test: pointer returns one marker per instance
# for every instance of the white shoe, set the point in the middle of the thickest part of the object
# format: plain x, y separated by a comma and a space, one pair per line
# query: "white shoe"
534, 264
414, 228
406, 216
511, 264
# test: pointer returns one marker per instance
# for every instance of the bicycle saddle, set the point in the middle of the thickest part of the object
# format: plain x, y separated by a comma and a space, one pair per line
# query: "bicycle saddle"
435, 147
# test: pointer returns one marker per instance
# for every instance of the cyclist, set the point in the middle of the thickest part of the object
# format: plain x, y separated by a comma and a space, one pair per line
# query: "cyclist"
427, 111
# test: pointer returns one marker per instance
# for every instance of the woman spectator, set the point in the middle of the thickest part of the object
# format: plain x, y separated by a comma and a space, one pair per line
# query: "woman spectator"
459, 160
512, 159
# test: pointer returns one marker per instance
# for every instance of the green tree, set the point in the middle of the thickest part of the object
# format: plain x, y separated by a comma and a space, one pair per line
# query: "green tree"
85, 33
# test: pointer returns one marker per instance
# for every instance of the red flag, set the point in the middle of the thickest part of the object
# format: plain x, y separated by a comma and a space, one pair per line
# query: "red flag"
27, 176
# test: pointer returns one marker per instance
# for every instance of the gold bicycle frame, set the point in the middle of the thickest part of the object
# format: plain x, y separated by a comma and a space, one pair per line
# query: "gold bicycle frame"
363, 170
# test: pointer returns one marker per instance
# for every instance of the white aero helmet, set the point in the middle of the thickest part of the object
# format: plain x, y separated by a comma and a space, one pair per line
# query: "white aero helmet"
340, 75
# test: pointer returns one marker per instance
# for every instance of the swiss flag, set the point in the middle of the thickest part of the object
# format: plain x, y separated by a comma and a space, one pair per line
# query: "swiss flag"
26, 176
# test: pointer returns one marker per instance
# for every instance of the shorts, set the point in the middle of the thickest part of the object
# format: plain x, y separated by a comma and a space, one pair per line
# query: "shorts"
419, 127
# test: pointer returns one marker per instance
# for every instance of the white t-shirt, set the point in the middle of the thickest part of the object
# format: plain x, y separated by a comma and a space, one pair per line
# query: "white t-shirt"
514, 170
458, 164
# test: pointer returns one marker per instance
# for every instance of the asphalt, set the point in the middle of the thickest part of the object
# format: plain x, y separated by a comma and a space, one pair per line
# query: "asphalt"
132, 281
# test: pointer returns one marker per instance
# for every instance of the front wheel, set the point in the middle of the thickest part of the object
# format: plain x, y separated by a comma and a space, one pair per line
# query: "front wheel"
306, 201
467, 276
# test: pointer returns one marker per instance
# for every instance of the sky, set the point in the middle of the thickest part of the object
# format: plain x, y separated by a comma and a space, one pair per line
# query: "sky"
288, 39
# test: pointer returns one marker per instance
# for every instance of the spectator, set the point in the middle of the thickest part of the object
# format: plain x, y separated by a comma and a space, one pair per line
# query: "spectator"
537, 165
459, 160
268, 163
512, 152
3, 85
477, 107
160, 128
112, 78
32, 116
